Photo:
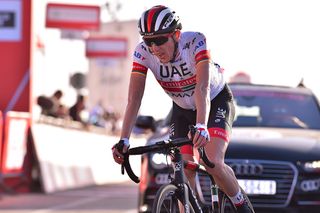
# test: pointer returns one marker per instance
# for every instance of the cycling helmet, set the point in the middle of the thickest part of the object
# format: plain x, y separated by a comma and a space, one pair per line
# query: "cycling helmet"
158, 20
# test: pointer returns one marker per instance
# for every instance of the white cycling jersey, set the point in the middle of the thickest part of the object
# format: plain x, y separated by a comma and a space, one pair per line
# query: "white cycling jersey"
178, 79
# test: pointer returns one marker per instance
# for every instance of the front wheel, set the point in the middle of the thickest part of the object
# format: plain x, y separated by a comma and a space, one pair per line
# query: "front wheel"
167, 200
226, 205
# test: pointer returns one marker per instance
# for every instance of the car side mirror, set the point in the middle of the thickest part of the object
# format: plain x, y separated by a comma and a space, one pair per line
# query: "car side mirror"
145, 122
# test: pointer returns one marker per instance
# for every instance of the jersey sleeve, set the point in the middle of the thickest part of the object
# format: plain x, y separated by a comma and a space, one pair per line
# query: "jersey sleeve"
200, 51
140, 64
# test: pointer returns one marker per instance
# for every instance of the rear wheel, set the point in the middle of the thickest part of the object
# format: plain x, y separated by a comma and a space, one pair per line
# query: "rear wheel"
167, 200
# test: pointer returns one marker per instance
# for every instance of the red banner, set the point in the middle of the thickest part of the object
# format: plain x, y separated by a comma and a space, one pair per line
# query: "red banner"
15, 55
1, 129
68, 16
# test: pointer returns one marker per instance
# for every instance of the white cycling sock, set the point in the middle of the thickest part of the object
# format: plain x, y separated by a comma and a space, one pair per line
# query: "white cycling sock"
238, 199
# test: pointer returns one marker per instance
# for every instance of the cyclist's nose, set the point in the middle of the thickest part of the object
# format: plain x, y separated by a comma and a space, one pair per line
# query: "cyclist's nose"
154, 47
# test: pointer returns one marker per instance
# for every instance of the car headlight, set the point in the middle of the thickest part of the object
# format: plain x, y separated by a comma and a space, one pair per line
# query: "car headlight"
160, 161
312, 166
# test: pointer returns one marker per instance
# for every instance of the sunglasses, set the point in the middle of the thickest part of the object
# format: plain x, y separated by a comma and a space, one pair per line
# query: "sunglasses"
158, 41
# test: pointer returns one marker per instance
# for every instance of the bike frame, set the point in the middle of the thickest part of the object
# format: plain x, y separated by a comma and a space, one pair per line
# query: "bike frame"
184, 192
184, 188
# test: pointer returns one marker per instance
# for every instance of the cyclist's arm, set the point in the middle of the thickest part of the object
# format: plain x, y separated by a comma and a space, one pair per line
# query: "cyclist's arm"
136, 90
202, 92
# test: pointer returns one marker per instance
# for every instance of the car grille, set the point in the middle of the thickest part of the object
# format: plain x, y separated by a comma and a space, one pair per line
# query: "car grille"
284, 173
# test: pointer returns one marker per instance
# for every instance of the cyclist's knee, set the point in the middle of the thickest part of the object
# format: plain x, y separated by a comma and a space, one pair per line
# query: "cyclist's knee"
191, 176
219, 166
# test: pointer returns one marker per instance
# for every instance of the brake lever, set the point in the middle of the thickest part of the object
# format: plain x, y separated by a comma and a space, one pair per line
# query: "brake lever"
122, 169
125, 166
201, 150
119, 147
205, 158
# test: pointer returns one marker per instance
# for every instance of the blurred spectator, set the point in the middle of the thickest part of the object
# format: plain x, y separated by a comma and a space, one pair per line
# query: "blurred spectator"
58, 109
112, 119
45, 103
52, 106
77, 108
97, 115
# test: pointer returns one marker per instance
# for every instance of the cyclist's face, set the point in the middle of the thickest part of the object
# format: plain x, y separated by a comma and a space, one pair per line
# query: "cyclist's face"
162, 46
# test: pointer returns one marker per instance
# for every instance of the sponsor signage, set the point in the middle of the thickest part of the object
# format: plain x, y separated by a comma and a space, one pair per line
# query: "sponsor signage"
10, 20
7, 19
112, 47
15, 142
67, 16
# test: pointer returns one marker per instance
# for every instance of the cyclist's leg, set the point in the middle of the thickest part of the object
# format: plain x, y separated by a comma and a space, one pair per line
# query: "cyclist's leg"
219, 127
191, 175
222, 173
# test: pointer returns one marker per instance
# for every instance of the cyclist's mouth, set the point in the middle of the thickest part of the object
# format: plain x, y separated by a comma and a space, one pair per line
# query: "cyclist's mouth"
162, 57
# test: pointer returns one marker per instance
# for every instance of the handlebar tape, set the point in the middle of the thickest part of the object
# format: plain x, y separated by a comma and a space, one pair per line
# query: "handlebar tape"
126, 165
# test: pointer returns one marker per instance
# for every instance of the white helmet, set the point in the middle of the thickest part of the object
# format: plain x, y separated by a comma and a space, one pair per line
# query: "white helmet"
158, 20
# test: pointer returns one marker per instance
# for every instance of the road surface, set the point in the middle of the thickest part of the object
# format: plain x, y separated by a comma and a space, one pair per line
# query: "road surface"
115, 198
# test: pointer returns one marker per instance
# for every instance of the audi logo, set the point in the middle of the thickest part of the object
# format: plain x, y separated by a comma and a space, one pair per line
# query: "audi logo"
244, 169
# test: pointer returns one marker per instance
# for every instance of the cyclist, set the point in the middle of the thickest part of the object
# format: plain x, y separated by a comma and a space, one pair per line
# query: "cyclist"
181, 63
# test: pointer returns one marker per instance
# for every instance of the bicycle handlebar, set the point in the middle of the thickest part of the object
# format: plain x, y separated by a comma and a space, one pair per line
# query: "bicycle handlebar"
159, 146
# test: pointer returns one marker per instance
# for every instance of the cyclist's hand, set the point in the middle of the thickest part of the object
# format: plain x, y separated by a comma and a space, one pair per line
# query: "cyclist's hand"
119, 148
201, 136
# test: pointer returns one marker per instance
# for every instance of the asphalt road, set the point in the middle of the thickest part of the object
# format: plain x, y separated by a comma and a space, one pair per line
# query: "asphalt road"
115, 198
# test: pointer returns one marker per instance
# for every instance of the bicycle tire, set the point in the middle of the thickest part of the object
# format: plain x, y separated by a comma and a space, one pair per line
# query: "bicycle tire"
166, 200
226, 205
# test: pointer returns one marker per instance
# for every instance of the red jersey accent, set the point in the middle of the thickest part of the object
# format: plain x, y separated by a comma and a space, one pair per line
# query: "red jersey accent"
191, 165
202, 55
178, 86
150, 17
140, 68
219, 133
186, 149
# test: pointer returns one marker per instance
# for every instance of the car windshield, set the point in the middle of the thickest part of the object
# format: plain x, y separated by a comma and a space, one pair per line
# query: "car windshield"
276, 109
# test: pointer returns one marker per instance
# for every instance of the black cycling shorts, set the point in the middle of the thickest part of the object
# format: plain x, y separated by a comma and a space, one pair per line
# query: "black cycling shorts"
219, 124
